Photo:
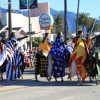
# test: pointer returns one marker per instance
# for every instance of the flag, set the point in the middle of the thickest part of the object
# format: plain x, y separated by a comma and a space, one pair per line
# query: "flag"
80, 56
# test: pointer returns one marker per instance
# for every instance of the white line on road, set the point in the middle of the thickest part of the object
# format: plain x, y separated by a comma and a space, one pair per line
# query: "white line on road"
67, 98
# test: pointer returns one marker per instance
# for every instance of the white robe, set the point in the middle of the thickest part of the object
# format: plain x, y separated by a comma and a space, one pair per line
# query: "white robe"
3, 57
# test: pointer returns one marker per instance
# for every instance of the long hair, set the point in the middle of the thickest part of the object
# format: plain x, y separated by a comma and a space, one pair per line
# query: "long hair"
58, 35
12, 35
46, 35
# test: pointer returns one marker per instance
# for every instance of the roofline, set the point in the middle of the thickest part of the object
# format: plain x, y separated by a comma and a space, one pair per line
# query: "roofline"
21, 29
3, 28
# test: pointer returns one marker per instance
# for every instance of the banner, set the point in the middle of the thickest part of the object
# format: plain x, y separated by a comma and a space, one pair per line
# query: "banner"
23, 4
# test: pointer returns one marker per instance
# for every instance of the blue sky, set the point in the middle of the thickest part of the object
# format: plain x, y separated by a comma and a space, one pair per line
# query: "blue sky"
89, 6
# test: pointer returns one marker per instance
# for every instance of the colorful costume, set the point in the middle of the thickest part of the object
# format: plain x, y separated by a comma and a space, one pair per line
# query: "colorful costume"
59, 55
41, 58
14, 67
94, 70
46, 45
80, 56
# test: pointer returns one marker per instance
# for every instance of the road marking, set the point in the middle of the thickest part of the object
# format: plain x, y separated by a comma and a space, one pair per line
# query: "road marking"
17, 81
67, 98
20, 88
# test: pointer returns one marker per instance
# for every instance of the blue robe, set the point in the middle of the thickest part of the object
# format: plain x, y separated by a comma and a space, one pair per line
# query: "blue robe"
60, 58
13, 67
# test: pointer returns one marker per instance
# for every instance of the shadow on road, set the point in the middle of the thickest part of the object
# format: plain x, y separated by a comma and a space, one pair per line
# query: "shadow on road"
32, 82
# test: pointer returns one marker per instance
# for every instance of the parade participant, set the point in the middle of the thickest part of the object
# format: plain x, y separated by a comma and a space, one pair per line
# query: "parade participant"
46, 43
79, 57
95, 60
41, 57
15, 59
3, 56
58, 57
90, 42
76, 39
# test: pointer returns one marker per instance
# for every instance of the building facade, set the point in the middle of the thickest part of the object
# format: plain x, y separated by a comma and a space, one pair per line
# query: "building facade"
19, 20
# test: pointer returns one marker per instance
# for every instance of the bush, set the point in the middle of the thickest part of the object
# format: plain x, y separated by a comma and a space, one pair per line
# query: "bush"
36, 41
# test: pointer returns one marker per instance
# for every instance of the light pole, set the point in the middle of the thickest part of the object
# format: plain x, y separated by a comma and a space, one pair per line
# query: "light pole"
29, 24
77, 17
65, 20
9, 19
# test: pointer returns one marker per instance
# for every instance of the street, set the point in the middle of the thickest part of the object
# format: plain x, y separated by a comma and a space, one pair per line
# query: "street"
29, 89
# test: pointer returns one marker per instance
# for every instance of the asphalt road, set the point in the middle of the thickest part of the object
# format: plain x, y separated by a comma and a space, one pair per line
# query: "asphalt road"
29, 89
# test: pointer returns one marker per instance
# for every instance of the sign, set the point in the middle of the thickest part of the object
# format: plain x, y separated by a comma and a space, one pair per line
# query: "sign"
23, 4
46, 21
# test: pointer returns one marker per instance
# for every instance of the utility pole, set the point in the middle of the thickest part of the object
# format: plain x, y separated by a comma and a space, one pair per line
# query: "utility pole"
9, 19
65, 20
30, 27
77, 17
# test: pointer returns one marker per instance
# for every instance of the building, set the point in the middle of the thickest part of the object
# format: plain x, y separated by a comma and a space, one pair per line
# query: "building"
20, 23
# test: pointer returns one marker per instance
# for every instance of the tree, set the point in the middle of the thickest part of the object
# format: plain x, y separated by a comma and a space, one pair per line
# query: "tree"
89, 25
58, 23
36, 41
54, 28
96, 27
83, 19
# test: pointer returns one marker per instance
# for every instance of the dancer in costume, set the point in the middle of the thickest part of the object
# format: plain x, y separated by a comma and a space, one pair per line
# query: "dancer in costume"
90, 45
41, 57
3, 56
94, 70
59, 56
15, 60
46, 43
79, 57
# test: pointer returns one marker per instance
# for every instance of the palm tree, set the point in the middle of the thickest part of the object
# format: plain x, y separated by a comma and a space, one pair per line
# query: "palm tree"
83, 20
89, 25
96, 27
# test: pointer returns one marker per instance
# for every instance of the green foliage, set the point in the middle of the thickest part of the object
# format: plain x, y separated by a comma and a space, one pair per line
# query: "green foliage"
58, 24
83, 20
36, 41
86, 21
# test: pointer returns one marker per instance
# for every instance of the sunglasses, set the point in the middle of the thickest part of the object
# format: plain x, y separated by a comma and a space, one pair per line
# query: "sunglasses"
14, 41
